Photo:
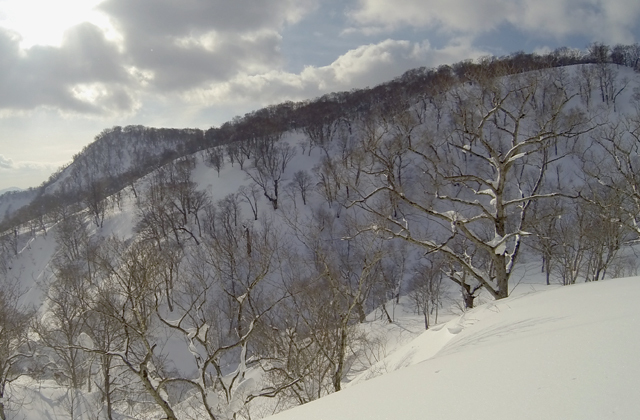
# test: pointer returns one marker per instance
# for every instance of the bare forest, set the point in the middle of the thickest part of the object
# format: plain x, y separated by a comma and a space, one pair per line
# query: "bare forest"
439, 185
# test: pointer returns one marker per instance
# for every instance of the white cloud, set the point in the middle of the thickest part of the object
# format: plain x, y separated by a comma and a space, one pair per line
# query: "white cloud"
470, 16
11, 165
367, 65
5, 163
610, 21
24, 174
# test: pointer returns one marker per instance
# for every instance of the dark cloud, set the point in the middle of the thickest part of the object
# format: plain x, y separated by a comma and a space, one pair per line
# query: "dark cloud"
178, 67
169, 18
185, 44
49, 76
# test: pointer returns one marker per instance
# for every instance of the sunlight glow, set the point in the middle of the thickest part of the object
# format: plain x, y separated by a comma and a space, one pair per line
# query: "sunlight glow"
89, 92
42, 22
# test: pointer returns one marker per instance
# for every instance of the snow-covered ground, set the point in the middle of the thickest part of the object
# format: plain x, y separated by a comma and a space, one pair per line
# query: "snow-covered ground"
552, 353
560, 353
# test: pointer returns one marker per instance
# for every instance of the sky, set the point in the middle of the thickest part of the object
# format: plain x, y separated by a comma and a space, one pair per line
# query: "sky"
71, 68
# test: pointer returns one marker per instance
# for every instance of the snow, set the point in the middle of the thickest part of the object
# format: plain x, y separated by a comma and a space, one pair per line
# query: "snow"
499, 244
516, 157
568, 353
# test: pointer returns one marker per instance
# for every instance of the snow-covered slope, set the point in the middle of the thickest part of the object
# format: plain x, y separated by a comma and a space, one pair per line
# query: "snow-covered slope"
555, 354
569, 353
13, 199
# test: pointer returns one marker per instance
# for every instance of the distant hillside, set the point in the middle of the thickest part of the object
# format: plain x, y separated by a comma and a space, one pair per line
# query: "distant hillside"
10, 189
13, 200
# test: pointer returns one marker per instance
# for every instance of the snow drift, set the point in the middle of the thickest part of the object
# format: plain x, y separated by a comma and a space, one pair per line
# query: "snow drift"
568, 353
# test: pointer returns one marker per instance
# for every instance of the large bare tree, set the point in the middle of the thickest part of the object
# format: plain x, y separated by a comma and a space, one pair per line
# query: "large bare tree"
476, 181
14, 325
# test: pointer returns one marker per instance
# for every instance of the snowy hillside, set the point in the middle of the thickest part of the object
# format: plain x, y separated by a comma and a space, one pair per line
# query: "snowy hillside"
568, 353
13, 199
301, 259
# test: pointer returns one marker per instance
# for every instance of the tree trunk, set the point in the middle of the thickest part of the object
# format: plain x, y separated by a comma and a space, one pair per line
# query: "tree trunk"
468, 299
502, 279
342, 351
168, 411
384, 310
106, 361
362, 317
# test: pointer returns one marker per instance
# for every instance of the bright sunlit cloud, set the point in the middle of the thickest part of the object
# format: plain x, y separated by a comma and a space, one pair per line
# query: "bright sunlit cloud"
43, 22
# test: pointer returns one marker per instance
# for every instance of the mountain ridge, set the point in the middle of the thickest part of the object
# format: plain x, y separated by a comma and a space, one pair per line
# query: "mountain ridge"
416, 84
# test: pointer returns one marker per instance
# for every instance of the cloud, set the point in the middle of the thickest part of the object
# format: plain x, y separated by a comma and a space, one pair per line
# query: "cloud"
24, 174
367, 65
5, 163
52, 77
610, 21
168, 18
185, 44
159, 47
9, 164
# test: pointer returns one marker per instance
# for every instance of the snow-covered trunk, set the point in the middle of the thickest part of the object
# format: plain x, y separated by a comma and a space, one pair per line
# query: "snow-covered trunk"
154, 392
499, 260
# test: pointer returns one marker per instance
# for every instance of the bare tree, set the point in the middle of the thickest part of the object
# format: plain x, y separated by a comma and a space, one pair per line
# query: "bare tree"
104, 336
59, 328
131, 297
95, 198
612, 163
219, 307
579, 239
269, 167
170, 205
544, 226
479, 182
302, 183
342, 268
250, 194
215, 159
15, 319
427, 290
